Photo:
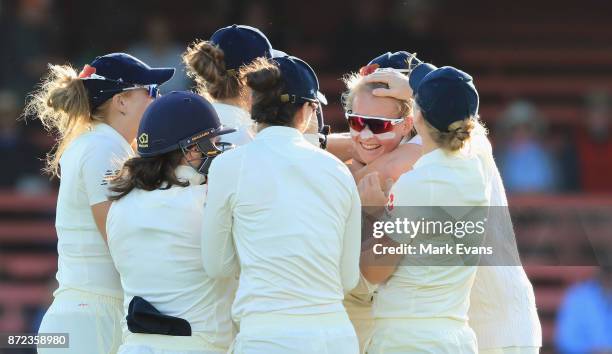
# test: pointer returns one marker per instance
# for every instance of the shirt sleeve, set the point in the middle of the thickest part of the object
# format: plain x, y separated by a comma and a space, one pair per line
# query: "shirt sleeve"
349, 263
218, 250
99, 165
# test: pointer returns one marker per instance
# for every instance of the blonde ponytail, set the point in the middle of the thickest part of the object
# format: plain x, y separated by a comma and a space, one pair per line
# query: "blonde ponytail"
458, 135
62, 105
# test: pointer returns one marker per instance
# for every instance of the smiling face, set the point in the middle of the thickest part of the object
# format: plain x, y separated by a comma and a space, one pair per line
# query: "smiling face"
367, 146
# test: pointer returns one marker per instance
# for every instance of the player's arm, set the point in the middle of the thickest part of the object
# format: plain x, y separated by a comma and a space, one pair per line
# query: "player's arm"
340, 145
376, 268
100, 212
393, 164
218, 251
98, 166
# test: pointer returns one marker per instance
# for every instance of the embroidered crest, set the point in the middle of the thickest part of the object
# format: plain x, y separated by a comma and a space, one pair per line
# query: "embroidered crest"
143, 140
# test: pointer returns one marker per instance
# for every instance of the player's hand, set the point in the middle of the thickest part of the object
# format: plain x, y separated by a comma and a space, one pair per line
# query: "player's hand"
399, 86
371, 192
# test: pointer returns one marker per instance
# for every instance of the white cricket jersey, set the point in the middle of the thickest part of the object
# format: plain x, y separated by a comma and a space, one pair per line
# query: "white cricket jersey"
502, 303
236, 118
84, 262
154, 239
437, 179
289, 213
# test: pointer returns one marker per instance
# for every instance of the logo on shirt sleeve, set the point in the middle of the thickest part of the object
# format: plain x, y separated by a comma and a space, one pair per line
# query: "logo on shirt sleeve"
109, 175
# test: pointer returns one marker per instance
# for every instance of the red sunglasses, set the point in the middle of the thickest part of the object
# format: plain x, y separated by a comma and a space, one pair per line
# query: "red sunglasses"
378, 125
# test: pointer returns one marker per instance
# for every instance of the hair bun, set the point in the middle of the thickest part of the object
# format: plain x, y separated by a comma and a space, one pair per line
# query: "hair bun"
204, 60
461, 133
206, 65
265, 78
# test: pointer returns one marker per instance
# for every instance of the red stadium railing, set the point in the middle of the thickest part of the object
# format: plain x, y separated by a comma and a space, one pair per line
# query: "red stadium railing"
26, 223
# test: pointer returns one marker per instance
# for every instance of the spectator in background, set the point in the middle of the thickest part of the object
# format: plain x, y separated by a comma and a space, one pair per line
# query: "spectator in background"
22, 170
594, 144
526, 165
29, 41
160, 50
584, 323
415, 22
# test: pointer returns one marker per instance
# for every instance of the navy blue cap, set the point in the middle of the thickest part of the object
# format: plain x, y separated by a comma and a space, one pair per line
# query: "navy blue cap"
418, 73
447, 95
114, 71
278, 53
401, 60
174, 117
241, 45
300, 81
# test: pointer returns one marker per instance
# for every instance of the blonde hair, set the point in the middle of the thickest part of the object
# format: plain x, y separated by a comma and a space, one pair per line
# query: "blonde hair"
62, 105
205, 63
355, 84
459, 133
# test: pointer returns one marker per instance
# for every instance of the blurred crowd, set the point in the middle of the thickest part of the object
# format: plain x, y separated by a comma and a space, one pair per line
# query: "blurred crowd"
534, 155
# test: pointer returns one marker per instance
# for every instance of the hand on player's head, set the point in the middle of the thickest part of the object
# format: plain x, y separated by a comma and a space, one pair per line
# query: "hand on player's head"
399, 86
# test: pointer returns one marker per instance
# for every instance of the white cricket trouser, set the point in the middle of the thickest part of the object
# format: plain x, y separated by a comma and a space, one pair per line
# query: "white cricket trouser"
435, 336
362, 319
197, 343
92, 321
510, 350
330, 333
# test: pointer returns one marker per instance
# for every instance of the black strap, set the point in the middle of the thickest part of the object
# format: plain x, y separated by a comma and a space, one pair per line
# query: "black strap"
143, 317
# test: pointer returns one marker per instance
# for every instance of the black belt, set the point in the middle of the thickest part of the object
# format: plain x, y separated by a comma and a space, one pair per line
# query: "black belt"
144, 318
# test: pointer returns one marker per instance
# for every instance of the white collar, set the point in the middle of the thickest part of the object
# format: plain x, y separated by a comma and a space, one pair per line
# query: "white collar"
279, 131
243, 116
189, 174
106, 129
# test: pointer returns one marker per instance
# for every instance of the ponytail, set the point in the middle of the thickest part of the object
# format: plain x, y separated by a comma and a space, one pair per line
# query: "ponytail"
206, 65
62, 105
458, 135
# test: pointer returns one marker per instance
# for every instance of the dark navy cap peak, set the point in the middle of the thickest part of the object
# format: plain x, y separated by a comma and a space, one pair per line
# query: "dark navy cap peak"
401, 60
241, 45
406, 62
447, 95
108, 73
174, 117
300, 81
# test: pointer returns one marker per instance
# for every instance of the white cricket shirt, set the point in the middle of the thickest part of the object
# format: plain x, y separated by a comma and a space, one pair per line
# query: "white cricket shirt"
289, 213
236, 118
437, 179
154, 239
84, 262
502, 303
